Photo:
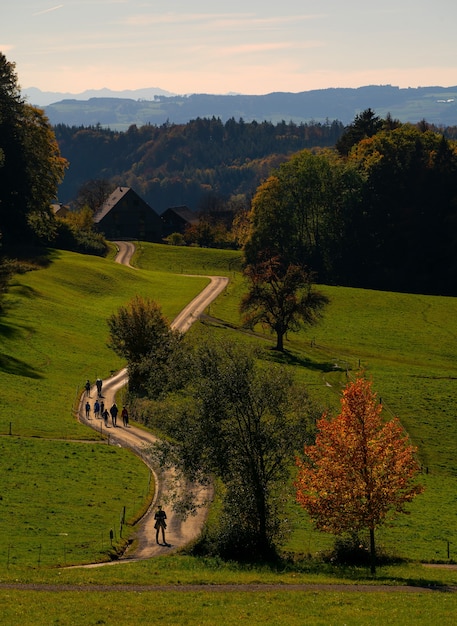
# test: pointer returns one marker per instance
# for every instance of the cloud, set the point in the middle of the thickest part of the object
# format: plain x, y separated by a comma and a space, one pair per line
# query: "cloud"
225, 20
59, 6
248, 48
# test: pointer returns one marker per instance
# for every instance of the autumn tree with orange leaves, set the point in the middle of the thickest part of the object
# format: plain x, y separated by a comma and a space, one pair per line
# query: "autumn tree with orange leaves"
360, 469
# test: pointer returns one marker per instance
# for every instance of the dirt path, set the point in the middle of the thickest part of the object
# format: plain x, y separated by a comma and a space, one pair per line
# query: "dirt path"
179, 533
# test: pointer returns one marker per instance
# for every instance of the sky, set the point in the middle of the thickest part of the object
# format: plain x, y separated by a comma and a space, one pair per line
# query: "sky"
241, 46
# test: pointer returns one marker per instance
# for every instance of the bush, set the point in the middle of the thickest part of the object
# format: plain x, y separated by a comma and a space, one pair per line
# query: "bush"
353, 550
79, 240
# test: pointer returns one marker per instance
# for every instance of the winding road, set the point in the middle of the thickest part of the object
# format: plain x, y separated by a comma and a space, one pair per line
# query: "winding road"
179, 532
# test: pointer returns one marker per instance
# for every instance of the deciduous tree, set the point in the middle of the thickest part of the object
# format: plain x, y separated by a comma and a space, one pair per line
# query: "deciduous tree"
299, 212
240, 425
281, 297
140, 333
360, 470
31, 167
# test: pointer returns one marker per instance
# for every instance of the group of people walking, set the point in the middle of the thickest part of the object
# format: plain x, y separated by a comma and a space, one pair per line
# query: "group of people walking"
99, 409
101, 412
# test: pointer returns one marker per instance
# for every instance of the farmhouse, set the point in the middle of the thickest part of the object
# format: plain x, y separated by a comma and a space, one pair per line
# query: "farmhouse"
59, 209
176, 219
124, 215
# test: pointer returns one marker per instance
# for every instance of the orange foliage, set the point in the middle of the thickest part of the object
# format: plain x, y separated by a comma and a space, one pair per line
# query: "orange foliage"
359, 469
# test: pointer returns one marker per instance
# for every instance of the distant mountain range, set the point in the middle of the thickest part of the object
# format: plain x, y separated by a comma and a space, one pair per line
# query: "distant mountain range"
43, 98
121, 109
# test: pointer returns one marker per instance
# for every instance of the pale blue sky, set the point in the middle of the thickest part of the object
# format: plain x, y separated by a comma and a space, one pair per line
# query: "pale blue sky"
245, 46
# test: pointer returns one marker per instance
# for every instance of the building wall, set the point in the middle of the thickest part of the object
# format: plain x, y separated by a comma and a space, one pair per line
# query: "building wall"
132, 218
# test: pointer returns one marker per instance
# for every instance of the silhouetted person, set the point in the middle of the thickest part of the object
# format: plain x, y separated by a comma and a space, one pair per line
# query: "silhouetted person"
125, 416
160, 517
99, 384
87, 388
114, 411
88, 410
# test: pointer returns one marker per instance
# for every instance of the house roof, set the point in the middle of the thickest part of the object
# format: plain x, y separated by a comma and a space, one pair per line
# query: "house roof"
59, 209
111, 202
183, 212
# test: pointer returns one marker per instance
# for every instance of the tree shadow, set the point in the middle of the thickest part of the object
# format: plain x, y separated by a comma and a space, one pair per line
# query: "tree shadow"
22, 290
10, 365
283, 358
288, 358
30, 257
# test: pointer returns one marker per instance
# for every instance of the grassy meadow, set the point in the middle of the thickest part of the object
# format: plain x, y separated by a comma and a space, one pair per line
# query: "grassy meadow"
63, 488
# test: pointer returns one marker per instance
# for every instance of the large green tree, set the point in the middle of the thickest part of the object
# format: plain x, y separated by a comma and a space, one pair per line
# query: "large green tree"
404, 231
240, 425
141, 334
31, 167
299, 212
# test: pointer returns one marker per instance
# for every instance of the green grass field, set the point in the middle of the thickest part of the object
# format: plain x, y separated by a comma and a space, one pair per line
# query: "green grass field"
63, 488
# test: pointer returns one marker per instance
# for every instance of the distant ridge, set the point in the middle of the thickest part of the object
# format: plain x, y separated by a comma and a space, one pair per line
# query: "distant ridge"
119, 110
42, 98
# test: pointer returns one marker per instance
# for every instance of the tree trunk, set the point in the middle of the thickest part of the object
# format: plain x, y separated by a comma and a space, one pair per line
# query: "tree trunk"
372, 552
280, 341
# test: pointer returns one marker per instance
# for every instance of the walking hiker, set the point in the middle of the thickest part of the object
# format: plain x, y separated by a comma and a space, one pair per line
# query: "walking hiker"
160, 517
114, 411
97, 409
102, 408
105, 417
125, 416
99, 384
87, 388
88, 410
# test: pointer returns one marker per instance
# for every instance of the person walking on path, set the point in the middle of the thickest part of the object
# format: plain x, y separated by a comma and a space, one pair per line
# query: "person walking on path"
97, 409
114, 411
102, 408
160, 517
125, 416
99, 384
87, 410
87, 388
105, 417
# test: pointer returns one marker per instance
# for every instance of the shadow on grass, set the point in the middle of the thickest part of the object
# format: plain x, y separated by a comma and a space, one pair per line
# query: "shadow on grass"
287, 358
283, 358
11, 365
22, 290
31, 257
358, 573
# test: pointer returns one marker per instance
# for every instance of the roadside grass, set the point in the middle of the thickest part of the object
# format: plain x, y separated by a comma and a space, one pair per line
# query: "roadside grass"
181, 569
185, 260
405, 343
60, 500
53, 336
207, 608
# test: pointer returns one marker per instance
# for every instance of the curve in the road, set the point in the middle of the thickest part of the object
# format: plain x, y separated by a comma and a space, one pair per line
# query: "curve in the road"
179, 532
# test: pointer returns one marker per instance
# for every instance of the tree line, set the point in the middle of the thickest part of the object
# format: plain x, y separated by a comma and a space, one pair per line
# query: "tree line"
181, 164
378, 211
369, 205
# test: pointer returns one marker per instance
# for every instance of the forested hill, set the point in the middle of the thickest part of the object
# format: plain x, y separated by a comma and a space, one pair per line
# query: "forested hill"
438, 105
185, 164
